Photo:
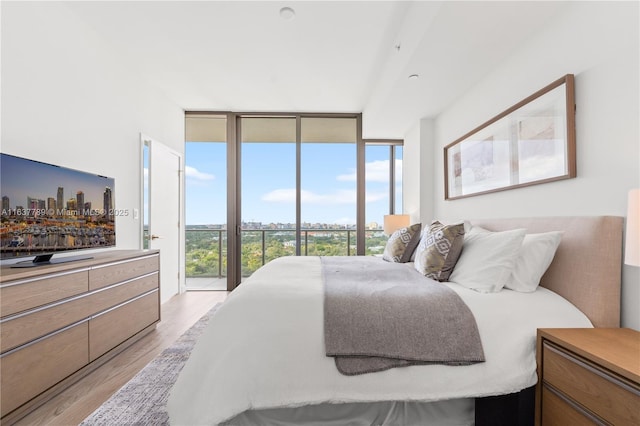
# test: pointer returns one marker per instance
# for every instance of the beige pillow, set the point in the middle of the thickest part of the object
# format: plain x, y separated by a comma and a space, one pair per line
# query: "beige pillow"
439, 249
402, 243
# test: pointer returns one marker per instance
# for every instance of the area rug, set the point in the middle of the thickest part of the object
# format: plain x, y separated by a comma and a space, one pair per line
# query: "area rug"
143, 399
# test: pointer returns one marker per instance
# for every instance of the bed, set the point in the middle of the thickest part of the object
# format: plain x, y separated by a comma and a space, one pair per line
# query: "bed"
262, 358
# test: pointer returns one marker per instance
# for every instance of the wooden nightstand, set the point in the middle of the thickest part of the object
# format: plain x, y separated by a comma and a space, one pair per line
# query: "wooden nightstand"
588, 376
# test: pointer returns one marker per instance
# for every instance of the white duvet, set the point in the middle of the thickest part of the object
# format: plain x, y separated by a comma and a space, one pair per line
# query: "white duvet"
264, 348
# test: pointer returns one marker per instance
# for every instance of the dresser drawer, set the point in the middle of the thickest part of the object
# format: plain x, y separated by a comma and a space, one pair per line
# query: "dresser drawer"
112, 296
104, 275
30, 293
23, 328
112, 327
604, 393
30, 370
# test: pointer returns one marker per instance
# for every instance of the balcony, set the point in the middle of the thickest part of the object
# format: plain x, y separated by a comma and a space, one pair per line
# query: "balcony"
206, 250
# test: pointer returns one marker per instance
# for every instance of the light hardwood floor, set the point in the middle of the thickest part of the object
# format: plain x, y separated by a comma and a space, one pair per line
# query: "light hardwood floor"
81, 399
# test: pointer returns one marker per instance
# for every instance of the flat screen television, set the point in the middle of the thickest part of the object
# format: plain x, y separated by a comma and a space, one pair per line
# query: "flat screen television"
48, 209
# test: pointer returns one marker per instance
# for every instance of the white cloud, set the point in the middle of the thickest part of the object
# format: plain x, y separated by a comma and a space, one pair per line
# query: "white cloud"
195, 174
280, 196
375, 196
307, 197
375, 171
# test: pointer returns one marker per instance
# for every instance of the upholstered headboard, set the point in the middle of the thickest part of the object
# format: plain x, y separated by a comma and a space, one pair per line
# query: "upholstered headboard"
587, 267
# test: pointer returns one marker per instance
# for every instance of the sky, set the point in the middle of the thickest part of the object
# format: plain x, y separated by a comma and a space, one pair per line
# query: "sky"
269, 183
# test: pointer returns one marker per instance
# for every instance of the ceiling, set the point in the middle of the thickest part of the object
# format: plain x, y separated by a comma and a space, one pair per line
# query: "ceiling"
333, 56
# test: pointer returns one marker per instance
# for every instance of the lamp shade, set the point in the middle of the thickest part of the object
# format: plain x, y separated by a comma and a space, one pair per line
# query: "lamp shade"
632, 244
393, 222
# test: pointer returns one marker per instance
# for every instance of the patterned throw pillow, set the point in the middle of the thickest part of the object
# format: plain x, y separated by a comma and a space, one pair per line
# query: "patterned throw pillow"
402, 243
439, 250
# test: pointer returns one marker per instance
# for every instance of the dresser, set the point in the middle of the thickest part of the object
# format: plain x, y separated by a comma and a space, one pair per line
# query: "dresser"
59, 322
588, 376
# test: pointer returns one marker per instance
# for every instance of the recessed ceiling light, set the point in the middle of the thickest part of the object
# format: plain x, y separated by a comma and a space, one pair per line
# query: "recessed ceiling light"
287, 13
414, 77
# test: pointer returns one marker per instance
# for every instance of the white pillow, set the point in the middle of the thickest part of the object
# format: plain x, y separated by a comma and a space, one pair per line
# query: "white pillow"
535, 256
487, 259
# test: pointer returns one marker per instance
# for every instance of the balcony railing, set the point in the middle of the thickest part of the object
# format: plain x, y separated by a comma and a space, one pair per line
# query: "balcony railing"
206, 249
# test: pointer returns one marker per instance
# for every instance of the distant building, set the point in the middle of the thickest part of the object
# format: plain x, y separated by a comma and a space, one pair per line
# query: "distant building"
5, 204
80, 201
60, 198
52, 205
34, 205
107, 203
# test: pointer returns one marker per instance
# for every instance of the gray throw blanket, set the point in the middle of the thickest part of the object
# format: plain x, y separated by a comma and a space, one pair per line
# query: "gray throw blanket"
380, 315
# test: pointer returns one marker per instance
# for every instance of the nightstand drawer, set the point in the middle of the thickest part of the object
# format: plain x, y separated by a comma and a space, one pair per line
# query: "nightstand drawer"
560, 412
606, 395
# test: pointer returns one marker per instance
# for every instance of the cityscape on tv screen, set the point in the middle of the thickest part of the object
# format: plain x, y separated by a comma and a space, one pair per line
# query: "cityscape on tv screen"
47, 209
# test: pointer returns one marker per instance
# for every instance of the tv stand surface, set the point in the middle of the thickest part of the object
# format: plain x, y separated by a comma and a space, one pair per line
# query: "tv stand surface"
46, 259
59, 322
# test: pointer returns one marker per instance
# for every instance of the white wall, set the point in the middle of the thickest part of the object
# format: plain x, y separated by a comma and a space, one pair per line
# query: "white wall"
598, 42
69, 99
417, 167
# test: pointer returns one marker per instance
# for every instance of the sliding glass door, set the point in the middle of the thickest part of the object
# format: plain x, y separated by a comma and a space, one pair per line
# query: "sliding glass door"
298, 187
206, 202
268, 190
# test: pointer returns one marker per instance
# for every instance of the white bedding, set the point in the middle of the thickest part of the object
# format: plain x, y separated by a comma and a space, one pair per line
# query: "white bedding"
264, 349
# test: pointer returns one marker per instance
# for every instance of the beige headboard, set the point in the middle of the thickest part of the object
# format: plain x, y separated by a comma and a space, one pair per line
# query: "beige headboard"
587, 267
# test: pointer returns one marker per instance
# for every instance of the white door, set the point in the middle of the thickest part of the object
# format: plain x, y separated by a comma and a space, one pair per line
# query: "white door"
164, 213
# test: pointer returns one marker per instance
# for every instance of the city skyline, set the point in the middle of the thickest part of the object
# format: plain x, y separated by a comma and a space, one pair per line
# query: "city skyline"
24, 180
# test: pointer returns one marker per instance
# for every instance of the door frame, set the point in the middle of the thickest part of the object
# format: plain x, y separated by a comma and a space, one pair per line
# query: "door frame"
149, 141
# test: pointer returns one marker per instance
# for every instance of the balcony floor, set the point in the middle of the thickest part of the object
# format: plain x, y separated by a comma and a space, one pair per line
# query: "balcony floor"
206, 284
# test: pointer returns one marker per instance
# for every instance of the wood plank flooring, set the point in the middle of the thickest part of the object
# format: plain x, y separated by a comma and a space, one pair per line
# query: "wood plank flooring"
78, 401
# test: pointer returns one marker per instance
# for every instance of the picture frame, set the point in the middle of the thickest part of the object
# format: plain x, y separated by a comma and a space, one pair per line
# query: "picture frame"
532, 142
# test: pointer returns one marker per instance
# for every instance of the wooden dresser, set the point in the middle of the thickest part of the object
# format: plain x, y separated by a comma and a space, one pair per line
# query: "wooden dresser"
588, 376
59, 322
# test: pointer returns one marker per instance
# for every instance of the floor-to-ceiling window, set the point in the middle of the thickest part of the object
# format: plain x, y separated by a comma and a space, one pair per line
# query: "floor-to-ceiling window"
328, 186
262, 186
383, 189
205, 202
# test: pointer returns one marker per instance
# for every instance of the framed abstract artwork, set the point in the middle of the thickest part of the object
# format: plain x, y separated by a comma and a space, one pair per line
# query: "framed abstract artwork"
530, 143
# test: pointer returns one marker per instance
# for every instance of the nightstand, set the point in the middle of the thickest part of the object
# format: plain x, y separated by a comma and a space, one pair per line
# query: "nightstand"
588, 376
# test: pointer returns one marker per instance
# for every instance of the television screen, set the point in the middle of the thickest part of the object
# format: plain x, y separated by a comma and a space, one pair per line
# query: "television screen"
48, 209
